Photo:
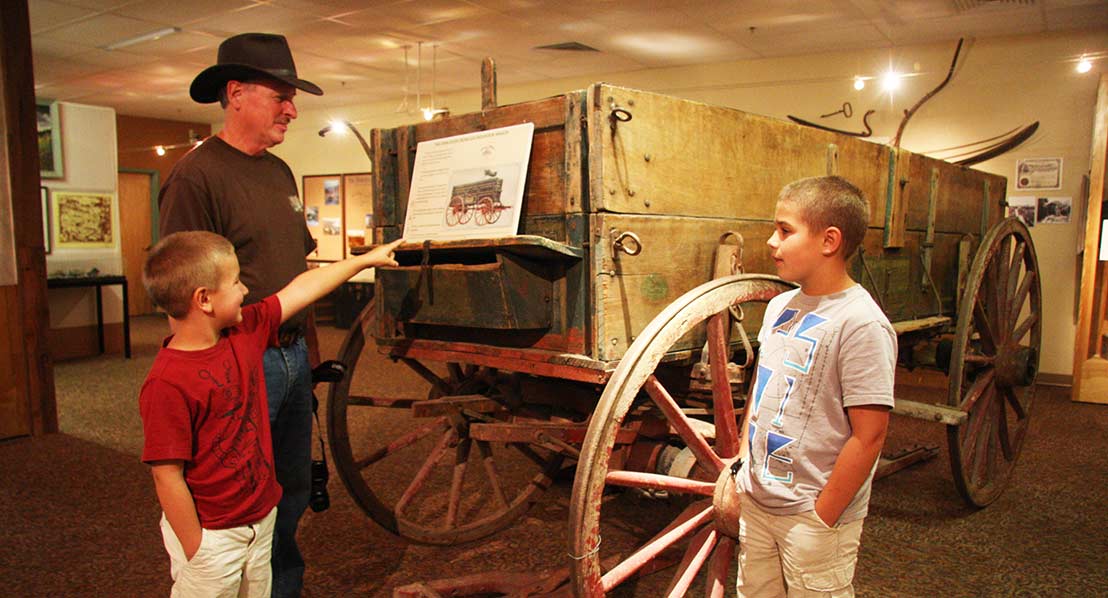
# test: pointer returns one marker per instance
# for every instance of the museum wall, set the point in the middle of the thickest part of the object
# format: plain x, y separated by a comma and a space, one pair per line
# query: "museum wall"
139, 135
1001, 83
89, 154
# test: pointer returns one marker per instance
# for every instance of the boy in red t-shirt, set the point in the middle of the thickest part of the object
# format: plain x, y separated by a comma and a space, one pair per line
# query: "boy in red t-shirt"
204, 413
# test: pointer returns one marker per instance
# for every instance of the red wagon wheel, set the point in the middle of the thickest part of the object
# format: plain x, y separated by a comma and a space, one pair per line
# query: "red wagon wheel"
411, 464
494, 211
484, 211
465, 214
454, 210
707, 528
994, 362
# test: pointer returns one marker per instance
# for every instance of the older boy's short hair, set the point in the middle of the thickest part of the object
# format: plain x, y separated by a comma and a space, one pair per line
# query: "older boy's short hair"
181, 263
825, 201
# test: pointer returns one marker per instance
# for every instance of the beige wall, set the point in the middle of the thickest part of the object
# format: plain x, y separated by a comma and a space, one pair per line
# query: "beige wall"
1001, 83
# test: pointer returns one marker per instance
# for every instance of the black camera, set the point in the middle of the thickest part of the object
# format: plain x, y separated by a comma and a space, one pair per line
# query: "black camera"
319, 500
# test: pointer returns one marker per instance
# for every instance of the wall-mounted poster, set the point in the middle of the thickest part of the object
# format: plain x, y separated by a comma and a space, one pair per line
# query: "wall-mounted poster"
323, 213
82, 220
1039, 173
1053, 210
358, 200
1023, 207
469, 186
45, 217
49, 140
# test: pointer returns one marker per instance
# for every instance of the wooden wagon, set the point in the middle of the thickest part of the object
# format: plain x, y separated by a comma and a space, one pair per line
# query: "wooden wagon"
607, 333
478, 201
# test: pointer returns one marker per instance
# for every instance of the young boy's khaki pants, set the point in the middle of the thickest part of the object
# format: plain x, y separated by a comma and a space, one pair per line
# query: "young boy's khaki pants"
797, 556
230, 563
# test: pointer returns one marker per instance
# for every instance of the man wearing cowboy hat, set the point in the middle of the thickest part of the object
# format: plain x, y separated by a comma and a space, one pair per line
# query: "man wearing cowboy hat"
233, 186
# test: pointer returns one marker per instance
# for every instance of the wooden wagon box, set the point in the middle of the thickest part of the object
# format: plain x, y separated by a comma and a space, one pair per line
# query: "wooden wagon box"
678, 174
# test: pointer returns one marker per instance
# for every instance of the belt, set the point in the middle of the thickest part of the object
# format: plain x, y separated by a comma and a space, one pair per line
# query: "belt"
286, 338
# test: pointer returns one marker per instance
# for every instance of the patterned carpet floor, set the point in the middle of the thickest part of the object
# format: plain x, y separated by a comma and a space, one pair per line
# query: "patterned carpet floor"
79, 515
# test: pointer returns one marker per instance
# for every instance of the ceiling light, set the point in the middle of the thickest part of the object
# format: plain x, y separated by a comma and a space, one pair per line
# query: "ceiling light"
890, 81
338, 127
159, 149
859, 83
1084, 65
146, 37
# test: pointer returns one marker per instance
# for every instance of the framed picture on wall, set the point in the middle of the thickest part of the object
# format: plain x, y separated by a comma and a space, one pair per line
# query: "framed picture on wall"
51, 162
45, 217
82, 220
358, 208
323, 212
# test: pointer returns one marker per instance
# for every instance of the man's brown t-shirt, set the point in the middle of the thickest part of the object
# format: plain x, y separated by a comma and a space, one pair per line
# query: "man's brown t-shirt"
250, 200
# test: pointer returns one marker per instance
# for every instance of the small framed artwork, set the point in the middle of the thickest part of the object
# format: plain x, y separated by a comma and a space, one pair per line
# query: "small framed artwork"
323, 199
45, 217
51, 162
82, 220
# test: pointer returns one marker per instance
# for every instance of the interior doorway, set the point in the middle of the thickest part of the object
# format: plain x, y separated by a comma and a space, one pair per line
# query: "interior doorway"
138, 200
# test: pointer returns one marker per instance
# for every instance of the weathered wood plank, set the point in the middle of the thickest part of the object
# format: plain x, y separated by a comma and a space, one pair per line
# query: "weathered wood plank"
685, 158
676, 256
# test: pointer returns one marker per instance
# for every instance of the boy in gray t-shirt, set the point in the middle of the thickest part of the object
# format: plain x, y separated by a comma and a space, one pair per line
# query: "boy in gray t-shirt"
819, 408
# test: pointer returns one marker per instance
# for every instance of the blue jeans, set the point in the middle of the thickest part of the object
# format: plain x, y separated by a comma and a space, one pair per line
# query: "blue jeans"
288, 383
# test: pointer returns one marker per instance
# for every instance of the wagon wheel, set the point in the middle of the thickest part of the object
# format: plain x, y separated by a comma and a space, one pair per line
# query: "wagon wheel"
994, 362
484, 211
411, 464
494, 213
466, 213
710, 522
457, 206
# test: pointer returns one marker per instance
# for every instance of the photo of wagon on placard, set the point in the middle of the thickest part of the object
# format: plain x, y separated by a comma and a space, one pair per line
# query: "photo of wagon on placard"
478, 201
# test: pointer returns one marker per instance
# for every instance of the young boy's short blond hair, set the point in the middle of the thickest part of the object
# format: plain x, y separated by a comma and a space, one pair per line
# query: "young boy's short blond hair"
826, 201
181, 263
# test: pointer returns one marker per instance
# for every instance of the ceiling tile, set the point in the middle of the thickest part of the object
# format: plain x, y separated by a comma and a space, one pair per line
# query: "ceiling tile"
101, 30
255, 17
178, 13
1077, 17
95, 4
47, 14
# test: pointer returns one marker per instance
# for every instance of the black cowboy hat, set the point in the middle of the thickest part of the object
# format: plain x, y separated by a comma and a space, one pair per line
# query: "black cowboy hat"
246, 57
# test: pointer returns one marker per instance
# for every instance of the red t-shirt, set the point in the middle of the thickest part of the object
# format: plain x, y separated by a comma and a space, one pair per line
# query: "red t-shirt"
209, 408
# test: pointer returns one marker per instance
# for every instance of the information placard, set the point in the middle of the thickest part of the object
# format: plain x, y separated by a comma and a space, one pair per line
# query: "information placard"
469, 186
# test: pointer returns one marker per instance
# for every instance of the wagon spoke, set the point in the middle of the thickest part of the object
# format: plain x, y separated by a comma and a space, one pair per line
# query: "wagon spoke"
686, 523
973, 427
999, 271
1015, 302
1015, 267
440, 385
980, 384
490, 471
722, 561
1002, 430
654, 481
980, 359
982, 440
1014, 401
727, 430
1024, 327
424, 471
401, 442
455, 370
461, 459
680, 422
984, 327
700, 546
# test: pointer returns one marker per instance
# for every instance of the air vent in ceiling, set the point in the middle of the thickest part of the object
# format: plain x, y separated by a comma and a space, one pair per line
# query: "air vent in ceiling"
568, 47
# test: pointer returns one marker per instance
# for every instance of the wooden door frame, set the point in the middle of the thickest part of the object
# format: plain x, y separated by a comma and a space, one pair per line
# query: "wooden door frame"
155, 187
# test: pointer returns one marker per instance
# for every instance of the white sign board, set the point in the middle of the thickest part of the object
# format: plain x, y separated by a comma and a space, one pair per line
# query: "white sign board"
469, 186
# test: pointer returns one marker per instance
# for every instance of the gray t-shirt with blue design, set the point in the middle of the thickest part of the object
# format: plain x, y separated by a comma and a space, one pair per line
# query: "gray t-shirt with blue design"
819, 355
